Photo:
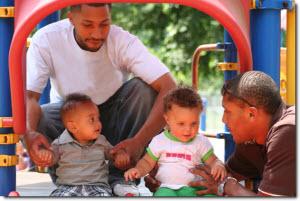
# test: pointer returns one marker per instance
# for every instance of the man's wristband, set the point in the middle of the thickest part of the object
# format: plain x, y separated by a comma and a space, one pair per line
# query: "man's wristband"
222, 185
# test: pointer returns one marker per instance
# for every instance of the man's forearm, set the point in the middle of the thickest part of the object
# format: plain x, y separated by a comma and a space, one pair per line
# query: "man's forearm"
153, 125
233, 188
33, 116
33, 110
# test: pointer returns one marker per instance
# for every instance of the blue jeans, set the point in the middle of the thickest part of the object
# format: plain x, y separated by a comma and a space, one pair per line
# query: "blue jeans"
122, 115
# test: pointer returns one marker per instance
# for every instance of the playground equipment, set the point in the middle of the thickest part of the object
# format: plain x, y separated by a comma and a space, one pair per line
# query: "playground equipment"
14, 194
233, 15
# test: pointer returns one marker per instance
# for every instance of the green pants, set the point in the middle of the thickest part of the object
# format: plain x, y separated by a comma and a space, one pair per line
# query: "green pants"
185, 191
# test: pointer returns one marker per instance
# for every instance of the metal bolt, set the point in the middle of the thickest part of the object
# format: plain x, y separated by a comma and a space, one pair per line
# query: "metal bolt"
285, 4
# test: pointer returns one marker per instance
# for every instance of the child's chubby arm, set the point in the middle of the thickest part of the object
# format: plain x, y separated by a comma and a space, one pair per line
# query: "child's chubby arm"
144, 166
218, 170
132, 174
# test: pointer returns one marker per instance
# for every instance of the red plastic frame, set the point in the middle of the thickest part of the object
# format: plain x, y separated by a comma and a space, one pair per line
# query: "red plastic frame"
232, 14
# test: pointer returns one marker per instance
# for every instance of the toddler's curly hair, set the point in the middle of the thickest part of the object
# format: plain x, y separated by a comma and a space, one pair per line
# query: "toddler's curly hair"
182, 96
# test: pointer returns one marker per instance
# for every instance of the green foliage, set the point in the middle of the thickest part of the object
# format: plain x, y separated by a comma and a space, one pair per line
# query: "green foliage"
172, 32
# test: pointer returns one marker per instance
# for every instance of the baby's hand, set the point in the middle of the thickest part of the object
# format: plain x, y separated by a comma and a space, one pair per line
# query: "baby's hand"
46, 156
218, 171
122, 160
132, 174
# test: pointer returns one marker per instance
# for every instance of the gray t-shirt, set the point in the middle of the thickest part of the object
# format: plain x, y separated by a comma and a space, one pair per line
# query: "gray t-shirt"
78, 164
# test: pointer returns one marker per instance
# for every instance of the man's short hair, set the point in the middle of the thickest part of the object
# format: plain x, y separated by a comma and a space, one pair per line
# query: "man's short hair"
182, 96
254, 88
72, 101
78, 6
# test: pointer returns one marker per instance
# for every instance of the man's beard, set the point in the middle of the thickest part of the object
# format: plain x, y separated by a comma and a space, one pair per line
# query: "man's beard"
83, 44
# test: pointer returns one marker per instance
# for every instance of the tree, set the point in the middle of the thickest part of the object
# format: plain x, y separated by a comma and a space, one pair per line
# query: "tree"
172, 32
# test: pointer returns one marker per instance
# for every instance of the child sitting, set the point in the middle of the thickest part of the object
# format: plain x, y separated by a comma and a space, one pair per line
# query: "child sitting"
80, 151
179, 148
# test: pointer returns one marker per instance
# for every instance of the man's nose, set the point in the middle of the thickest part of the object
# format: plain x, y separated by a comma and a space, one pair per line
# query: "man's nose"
97, 33
223, 119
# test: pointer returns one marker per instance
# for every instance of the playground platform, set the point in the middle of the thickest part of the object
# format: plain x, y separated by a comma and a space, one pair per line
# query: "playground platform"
34, 184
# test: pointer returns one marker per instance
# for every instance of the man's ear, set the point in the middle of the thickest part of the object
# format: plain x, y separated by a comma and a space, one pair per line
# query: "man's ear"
70, 15
252, 113
71, 126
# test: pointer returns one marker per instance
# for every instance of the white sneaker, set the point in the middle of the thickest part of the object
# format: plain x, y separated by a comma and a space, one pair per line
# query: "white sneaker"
126, 190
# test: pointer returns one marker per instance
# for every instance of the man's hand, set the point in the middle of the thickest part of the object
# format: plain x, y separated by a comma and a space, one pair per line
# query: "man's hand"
47, 156
35, 143
150, 182
132, 147
208, 181
121, 160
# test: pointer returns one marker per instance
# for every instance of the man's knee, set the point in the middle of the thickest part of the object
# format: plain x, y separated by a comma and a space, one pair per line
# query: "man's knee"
50, 123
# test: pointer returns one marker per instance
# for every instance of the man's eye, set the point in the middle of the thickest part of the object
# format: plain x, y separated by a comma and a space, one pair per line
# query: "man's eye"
104, 25
87, 25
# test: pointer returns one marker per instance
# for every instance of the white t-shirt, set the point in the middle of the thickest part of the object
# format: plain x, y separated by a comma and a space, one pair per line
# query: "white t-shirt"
175, 158
55, 54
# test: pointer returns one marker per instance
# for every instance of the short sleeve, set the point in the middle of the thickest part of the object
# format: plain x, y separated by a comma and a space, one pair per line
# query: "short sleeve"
204, 148
102, 140
38, 64
55, 148
154, 148
279, 177
132, 56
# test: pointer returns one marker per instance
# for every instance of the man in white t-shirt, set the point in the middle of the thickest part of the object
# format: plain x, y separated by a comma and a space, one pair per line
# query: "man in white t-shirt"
87, 54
